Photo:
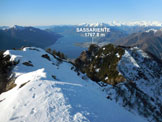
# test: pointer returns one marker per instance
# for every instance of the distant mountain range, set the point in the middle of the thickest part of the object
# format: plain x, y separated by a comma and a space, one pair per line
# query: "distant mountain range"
18, 36
112, 23
128, 27
119, 23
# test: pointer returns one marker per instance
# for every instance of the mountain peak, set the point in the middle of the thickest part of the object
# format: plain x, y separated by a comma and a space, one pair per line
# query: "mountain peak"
17, 27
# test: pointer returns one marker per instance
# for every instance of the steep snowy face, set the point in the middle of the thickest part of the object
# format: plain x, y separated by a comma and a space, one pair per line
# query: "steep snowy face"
49, 90
138, 67
142, 92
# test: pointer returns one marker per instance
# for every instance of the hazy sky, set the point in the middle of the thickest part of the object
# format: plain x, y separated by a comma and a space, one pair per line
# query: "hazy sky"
54, 12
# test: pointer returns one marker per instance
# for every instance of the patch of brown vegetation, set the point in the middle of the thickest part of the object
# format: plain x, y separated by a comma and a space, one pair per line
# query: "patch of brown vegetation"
23, 84
29, 63
46, 56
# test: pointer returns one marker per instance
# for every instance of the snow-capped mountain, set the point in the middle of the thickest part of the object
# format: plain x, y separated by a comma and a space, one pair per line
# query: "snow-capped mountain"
149, 30
4, 27
48, 89
16, 27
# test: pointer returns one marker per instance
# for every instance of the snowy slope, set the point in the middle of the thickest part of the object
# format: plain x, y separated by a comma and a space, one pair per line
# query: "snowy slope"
64, 98
142, 92
141, 69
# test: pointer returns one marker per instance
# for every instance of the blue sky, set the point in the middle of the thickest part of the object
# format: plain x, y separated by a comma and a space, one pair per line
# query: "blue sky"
54, 12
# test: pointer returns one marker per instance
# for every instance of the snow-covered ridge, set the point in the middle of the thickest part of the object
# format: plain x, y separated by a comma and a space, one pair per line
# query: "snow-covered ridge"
143, 89
140, 90
15, 27
54, 92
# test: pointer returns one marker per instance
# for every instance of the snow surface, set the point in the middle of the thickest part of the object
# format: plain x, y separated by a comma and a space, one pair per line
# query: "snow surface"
154, 30
69, 98
97, 70
117, 55
106, 78
130, 66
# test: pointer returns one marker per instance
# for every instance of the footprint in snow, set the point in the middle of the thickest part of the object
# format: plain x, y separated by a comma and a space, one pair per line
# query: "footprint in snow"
16, 117
25, 104
33, 111
40, 84
33, 96
31, 89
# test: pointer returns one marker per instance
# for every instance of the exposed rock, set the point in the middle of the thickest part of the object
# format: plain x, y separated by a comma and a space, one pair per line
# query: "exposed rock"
46, 56
29, 63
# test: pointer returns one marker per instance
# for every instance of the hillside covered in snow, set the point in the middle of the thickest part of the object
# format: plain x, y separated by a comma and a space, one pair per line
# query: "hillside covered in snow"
48, 89
136, 77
